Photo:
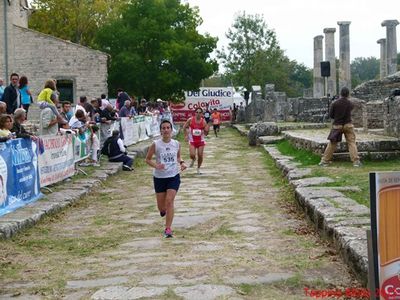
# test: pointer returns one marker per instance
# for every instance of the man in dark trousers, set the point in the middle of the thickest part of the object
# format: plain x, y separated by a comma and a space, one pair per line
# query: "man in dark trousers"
11, 94
340, 112
115, 150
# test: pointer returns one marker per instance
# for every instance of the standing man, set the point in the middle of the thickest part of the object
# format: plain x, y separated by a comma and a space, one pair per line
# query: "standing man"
195, 130
216, 120
11, 94
121, 98
340, 112
1, 88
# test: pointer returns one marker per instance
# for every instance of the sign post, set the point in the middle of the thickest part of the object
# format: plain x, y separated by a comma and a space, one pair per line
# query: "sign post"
385, 227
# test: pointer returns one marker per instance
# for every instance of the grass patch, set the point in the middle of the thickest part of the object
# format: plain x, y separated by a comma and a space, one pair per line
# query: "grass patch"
305, 157
245, 289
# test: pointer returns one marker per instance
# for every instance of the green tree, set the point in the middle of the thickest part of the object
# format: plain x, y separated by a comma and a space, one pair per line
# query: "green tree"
249, 40
74, 20
253, 57
156, 50
363, 69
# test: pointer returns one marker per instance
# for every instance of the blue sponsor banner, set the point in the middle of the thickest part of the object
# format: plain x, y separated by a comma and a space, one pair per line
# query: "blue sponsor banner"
19, 174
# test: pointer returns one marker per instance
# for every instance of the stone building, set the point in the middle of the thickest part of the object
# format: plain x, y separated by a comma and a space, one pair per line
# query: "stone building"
79, 70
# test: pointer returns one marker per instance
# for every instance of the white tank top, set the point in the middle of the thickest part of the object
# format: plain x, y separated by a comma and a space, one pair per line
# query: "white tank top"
166, 153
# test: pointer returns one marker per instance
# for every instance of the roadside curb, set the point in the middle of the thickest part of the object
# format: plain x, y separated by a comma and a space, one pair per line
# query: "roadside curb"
337, 217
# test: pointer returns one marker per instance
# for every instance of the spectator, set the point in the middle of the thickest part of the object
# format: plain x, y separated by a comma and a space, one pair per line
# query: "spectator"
48, 98
82, 105
115, 150
11, 94
3, 108
142, 109
104, 101
121, 98
1, 88
134, 106
125, 110
66, 111
96, 112
26, 96
6, 124
95, 145
108, 115
48, 122
18, 128
79, 121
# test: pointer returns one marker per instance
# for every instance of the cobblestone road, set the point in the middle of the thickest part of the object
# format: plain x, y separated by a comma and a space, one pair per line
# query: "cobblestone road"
235, 238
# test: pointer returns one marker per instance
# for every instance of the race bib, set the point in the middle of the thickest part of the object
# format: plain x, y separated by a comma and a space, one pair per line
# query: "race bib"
168, 158
196, 132
215, 121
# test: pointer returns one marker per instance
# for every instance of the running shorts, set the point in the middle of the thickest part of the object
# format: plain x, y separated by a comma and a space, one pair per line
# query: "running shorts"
161, 185
198, 144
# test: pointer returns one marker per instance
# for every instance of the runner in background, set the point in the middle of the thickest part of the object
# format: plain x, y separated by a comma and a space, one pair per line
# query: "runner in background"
207, 114
216, 120
195, 129
166, 178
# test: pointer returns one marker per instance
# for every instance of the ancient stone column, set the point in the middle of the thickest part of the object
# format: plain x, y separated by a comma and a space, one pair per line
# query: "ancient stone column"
383, 61
330, 56
344, 55
391, 45
318, 88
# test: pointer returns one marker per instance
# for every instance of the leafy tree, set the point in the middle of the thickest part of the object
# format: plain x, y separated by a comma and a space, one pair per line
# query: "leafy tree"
156, 50
250, 39
253, 57
74, 20
363, 69
218, 80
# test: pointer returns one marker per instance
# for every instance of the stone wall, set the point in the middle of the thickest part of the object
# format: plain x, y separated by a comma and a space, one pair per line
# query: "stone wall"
43, 57
377, 89
277, 107
308, 109
373, 112
391, 118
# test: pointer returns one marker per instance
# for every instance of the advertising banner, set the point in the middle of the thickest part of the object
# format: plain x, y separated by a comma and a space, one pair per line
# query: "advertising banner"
385, 227
215, 97
57, 161
19, 174
128, 131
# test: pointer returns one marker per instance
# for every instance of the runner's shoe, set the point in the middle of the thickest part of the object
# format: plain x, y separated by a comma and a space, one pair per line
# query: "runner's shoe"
198, 171
192, 163
168, 233
162, 213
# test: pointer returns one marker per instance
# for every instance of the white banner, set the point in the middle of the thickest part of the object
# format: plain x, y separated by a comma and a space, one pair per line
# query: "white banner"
57, 161
127, 131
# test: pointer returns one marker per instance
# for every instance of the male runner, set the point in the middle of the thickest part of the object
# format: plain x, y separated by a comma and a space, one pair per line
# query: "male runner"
216, 120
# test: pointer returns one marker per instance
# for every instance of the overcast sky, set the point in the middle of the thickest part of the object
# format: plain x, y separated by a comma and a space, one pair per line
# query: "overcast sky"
297, 22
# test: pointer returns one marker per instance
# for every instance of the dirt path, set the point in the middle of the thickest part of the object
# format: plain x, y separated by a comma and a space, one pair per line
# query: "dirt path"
235, 238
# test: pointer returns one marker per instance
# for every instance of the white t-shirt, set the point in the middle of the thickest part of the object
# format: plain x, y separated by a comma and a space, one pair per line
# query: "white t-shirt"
167, 154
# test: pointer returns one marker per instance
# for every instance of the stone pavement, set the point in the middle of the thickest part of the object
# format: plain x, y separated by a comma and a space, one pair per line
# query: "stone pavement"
236, 237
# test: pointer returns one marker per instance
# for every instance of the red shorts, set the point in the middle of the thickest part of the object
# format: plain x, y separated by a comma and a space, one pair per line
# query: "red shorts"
198, 144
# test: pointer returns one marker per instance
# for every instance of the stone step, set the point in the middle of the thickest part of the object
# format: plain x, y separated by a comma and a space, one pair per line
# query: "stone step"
368, 155
316, 141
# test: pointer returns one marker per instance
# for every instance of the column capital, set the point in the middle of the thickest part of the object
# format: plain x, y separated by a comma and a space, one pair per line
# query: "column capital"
341, 23
381, 41
329, 30
318, 37
390, 23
